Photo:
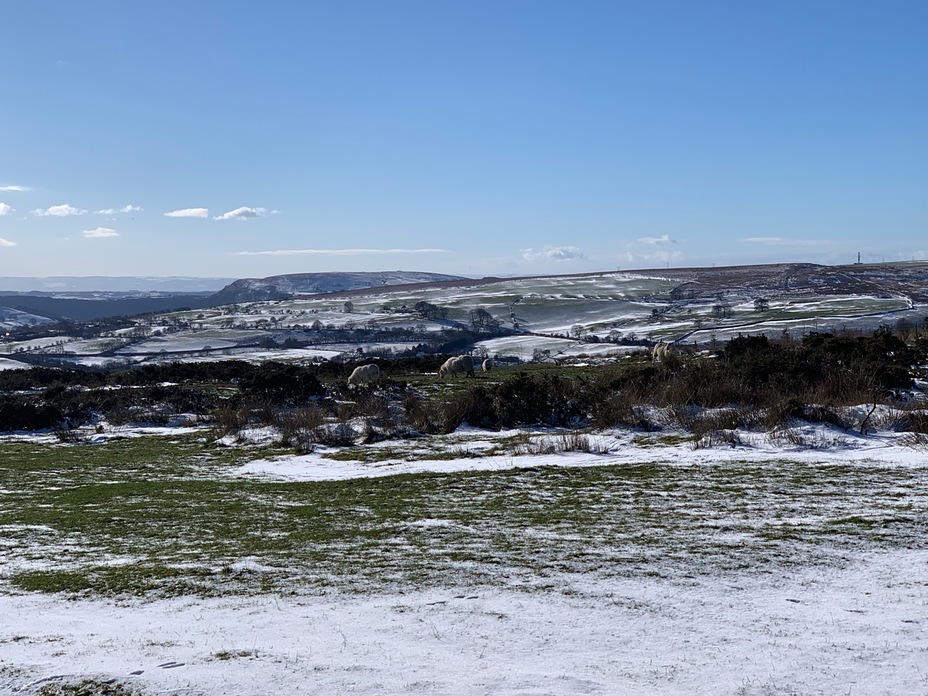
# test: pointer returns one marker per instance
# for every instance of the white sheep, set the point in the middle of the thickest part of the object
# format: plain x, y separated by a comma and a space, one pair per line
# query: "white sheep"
663, 352
486, 365
446, 367
364, 374
459, 363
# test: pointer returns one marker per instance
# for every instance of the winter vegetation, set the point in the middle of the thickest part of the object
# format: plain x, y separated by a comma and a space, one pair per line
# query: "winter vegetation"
217, 500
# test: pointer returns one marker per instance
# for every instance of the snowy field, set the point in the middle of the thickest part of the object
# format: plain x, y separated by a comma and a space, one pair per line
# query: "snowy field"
466, 565
856, 629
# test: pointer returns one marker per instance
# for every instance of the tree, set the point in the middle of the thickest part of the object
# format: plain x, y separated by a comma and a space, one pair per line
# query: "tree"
540, 354
481, 319
761, 304
427, 310
349, 307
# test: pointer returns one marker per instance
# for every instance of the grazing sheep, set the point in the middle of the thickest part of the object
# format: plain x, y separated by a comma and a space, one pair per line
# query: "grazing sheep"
446, 367
663, 352
460, 363
486, 365
467, 365
364, 374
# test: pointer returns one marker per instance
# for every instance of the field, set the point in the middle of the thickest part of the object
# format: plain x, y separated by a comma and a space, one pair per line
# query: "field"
514, 562
569, 316
744, 519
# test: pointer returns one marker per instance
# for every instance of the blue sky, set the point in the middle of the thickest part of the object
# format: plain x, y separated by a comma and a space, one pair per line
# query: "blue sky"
481, 138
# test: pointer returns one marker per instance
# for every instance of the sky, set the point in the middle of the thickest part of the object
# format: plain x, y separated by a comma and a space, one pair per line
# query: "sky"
221, 138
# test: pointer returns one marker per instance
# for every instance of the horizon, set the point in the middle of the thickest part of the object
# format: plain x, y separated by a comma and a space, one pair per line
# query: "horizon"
487, 140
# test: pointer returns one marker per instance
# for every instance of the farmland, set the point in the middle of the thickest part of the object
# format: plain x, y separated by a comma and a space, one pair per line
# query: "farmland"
569, 316
218, 511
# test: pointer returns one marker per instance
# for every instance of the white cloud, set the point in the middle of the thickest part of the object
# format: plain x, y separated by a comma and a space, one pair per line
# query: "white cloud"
98, 232
663, 239
125, 209
63, 210
555, 253
5, 209
189, 212
338, 252
242, 213
14, 187
6, 242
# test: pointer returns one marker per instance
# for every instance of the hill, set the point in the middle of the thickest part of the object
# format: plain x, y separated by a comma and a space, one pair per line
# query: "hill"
283, 286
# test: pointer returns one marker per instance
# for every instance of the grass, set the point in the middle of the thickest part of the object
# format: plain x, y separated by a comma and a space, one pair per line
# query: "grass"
158, 518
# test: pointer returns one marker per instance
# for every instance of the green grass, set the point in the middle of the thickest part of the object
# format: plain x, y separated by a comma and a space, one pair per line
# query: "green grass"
160, 518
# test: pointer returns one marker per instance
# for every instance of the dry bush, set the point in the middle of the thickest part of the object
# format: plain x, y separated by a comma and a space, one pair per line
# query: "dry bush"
826, 414
379, 417
781, 436
335, 435
579, 442
526, 445
915, 440
716, 427
716, 438
264, 412
796, 438
685, 416
230, 418
617, 408
846, 389
903, 421
421, 414
781, 412
451, 412
301, 428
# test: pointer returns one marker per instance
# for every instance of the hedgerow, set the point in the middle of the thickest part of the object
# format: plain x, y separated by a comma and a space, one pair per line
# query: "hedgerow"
757, 380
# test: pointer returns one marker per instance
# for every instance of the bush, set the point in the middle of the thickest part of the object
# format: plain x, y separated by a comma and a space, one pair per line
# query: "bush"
23, 415
281, 384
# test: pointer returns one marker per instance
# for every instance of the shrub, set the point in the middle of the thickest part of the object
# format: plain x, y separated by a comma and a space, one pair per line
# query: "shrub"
281, 384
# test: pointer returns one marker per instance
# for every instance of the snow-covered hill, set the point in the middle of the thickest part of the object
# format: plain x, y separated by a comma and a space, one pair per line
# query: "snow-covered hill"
14, 318
281, 286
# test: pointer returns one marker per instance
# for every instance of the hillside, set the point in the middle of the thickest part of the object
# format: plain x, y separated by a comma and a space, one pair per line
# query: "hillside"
601, 314
283, 286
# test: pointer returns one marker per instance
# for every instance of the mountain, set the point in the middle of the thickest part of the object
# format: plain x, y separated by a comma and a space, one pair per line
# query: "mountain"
282, 286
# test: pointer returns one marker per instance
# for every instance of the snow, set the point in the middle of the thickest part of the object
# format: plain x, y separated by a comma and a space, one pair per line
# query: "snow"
850, 624
854, 629
621, 448
7, 364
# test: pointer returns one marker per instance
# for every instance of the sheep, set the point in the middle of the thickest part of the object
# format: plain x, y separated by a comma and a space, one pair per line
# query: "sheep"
486, 365
663, 352
446, 367
460, 363
467, 365
364, 374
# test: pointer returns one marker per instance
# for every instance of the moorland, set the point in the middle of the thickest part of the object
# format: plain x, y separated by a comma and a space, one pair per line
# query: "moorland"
197, 500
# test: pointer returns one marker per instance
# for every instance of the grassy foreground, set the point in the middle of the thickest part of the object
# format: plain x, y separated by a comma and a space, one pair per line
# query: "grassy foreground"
161, 517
